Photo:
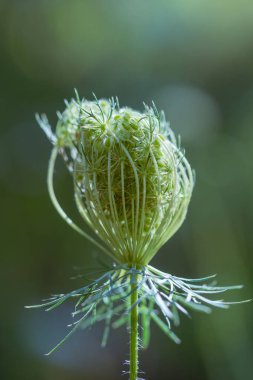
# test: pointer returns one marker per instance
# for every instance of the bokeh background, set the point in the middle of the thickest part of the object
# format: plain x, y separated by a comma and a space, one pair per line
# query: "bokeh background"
194, 58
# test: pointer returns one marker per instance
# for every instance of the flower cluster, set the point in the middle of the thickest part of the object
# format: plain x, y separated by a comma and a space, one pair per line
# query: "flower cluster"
132, 182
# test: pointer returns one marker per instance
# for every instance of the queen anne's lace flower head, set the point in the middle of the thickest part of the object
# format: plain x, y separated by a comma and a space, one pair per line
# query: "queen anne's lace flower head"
132, 181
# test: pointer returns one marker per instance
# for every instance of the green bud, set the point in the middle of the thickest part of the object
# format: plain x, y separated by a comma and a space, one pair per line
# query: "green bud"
131, 181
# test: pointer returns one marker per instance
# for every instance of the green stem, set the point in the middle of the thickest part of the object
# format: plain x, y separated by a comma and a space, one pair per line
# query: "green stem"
134, 331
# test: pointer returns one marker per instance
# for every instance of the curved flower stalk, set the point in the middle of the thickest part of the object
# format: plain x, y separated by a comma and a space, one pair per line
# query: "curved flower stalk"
132, 186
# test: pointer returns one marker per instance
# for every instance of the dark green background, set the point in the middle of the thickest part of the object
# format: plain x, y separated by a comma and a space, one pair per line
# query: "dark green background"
194, 58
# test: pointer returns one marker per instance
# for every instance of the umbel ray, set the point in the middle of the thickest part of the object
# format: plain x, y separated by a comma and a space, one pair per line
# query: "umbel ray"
132, 185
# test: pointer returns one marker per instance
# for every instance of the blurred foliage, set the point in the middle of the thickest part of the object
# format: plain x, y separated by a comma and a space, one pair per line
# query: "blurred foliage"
194, 58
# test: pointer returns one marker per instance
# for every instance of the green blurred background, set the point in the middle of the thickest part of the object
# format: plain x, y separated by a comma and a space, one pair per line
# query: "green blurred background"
194, 58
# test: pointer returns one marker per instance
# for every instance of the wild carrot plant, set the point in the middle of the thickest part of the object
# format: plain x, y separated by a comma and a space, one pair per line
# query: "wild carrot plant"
132, 186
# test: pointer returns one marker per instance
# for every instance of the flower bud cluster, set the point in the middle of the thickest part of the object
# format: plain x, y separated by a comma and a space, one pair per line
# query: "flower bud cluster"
132, 182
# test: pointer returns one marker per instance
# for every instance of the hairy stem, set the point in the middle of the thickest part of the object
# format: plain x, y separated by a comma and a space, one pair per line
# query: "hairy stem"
134, 331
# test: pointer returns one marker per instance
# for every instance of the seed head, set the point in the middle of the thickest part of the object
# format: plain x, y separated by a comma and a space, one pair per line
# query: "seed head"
132, 182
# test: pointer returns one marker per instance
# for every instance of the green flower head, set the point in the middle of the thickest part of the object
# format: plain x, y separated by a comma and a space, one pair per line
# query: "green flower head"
132, 182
